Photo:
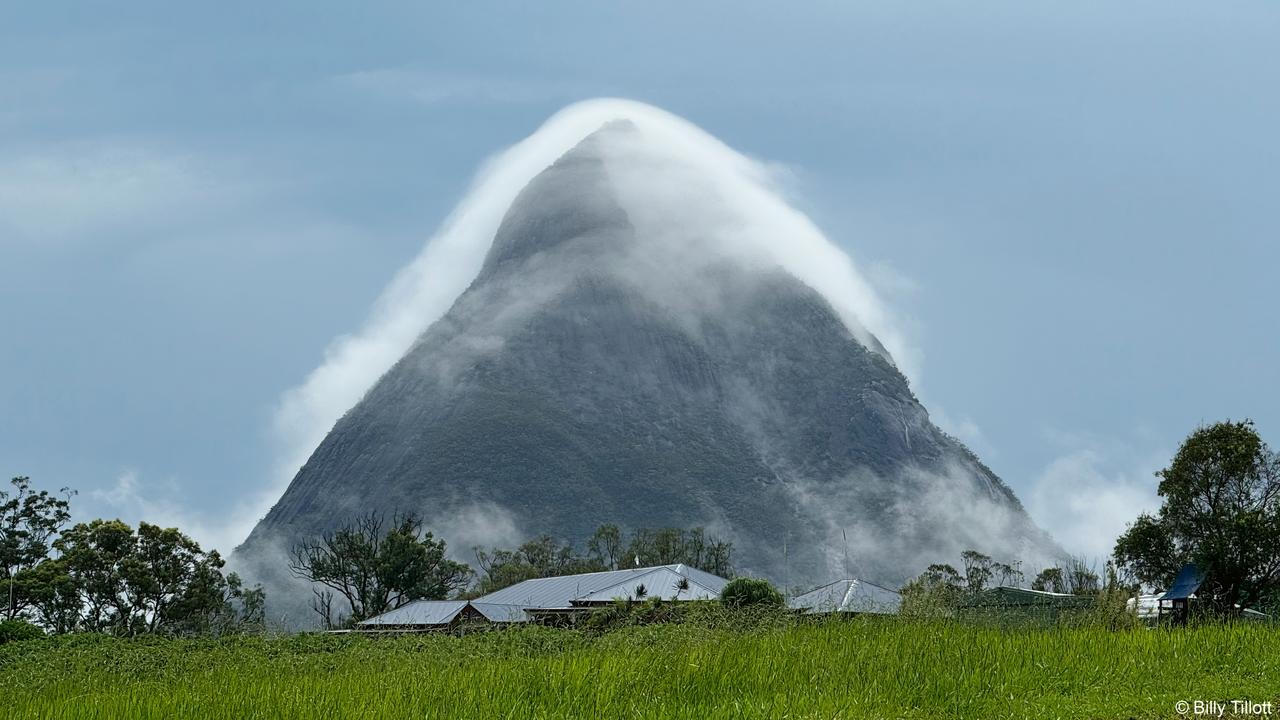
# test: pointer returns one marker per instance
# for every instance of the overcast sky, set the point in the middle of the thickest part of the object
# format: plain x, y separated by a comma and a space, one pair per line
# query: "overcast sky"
1072, 207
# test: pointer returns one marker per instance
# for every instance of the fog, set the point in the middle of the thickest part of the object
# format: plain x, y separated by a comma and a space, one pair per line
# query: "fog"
749, 196
683, 224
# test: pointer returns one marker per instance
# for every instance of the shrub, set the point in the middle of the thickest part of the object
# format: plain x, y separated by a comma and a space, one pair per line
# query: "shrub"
14, 630
750, 592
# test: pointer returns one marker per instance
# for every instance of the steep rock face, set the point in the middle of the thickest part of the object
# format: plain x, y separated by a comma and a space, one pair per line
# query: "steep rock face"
567, 389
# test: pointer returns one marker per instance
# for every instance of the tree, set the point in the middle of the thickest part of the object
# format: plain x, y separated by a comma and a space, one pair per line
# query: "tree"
96, 554
28, 521
1221, 511
605, 546
978, 570
110, 578
1050, 580
750, 592
376, 569
940, 588
55, 596
540, 557
668, 546
935, 591
544, 556
1076, 578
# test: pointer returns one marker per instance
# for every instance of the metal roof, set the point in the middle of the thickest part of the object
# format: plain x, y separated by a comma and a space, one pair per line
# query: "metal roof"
851, 595
419, 612
562, 591
1008, 596
662, 582
510, 604
1185, 585
501, 613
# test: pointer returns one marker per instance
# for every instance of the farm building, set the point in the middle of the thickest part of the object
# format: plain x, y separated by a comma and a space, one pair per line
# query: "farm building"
1020, 604
848, 596
553, 599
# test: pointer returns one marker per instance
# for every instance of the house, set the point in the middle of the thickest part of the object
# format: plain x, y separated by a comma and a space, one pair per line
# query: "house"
848, 596
558, 599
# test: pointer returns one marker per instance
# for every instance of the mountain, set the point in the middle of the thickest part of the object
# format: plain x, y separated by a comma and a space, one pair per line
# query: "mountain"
620, 359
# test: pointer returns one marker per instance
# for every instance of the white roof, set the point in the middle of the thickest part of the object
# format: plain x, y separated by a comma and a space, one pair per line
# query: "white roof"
851, 595
561, 592
661, 582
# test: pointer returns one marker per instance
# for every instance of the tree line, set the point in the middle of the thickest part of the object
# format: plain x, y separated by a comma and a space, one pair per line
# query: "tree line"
106, 576
1220, 512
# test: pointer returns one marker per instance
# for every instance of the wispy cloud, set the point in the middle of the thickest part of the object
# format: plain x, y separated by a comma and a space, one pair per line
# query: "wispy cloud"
132, 501
71, 193
1086, 496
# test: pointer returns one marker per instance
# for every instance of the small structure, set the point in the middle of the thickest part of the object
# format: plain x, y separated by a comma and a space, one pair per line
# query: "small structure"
852, 595
1175, 603
558, 599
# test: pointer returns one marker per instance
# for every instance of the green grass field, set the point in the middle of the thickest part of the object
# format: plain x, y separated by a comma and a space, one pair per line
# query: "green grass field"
843, 669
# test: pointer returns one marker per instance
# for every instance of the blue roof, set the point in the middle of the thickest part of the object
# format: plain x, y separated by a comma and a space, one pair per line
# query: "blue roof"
1186, 584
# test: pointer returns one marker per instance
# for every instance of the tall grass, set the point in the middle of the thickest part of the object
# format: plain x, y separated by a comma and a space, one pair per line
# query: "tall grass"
860, 668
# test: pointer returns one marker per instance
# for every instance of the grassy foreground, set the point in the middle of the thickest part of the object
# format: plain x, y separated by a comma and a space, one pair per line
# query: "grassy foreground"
849, 669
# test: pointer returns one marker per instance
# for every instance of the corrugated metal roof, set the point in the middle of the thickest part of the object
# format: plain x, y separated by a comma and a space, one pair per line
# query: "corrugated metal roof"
560, 592
1185, 585
501, 613
852, 595
419, 612
663, 582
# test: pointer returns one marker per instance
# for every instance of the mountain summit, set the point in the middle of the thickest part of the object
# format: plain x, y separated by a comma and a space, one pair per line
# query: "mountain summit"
625, 356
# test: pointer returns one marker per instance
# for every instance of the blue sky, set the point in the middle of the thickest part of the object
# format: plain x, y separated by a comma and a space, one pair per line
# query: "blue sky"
1071, 208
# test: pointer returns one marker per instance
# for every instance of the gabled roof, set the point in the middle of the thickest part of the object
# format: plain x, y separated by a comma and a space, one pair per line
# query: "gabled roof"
661, 582
851, 595
562, 591
419, 612
1186, 584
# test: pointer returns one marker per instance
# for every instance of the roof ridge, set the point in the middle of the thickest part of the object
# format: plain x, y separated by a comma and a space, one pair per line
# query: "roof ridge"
649, 572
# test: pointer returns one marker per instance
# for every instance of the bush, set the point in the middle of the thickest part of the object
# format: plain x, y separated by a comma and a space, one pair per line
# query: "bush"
14, 630
750, 592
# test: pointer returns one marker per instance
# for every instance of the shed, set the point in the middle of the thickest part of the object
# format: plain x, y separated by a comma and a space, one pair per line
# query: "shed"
1176, 601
